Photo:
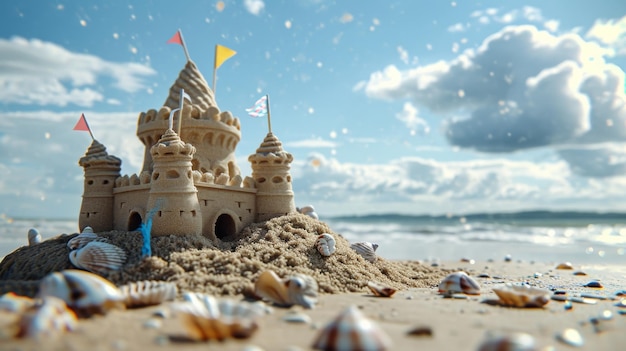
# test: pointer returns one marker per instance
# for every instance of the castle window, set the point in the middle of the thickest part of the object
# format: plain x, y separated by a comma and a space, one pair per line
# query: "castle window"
105, 182
278, 162
90, 182
261, 180
189, 174
277, 179
155, 175
288, 179
172, 174
220, 140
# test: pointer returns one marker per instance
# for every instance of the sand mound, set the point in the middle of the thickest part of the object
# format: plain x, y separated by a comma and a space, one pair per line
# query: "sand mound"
194, 263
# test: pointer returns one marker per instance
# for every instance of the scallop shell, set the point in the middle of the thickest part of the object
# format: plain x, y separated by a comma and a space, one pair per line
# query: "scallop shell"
148, 293
325, 244
380, 290
34, 237
351, 330
366, 249
48, 318
85, 293
98, 257
459, 282
206, 318
298, 289
522, 296
82, 239
513, 341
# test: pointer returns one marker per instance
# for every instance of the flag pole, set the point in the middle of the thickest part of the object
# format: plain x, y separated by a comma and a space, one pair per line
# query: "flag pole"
180, 111
269, 118
214, 71
88, 128
182, 40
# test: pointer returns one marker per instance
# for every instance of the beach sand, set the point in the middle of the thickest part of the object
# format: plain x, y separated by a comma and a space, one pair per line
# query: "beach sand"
455, 324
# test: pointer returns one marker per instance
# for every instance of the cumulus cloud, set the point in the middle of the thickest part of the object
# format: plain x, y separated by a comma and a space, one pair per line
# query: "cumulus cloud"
409, 116
610, 32
44, 73
312, 144
522, 88
254, 6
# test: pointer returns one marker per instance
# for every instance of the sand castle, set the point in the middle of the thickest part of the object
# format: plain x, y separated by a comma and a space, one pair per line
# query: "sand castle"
189, 179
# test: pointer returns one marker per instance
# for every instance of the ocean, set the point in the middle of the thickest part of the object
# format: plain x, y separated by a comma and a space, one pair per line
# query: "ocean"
542, 236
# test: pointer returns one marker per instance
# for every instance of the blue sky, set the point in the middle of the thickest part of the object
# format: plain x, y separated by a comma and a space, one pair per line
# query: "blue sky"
401, 106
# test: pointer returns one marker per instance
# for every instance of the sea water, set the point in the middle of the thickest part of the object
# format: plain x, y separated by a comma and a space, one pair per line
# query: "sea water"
583, 238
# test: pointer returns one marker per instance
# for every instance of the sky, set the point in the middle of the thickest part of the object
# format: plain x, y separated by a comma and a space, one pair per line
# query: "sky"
413, 107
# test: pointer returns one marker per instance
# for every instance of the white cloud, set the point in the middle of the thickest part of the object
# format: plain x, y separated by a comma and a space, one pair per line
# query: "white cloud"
522, 88
409, 116
254, 6
44, 73
551, 25
611, 33
458, 27
404, 55
311, 143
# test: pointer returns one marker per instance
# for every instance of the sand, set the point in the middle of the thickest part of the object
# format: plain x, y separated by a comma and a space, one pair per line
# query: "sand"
285, 245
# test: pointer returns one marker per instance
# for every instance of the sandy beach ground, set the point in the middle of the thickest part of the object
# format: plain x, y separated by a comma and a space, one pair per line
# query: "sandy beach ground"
456, 324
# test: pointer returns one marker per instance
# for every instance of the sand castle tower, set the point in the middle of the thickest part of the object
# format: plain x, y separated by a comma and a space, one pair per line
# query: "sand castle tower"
270, 170
173, 193
101, 170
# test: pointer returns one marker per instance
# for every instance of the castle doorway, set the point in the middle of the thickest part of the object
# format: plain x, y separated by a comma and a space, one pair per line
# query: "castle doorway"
225, 228
134, 221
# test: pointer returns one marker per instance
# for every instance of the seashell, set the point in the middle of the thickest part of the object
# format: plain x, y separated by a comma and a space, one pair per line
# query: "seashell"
522, 296
148, 292
379, 290
82, 239
325, 244
580, 273
206, 318
565, 265
594, 284
351, 330
302, 290
85, 293
459, 282
621, 303
98, 257
571, 337
308, 210
366, 249
513, 341
11, 302
270, 287
34, 237
48, 318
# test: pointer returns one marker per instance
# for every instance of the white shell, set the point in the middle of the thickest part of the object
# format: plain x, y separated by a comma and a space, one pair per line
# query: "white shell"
148, 292
82, 239
308, 210
10, 302
513, 341
571, 337
459, 282
34, 237
302, 290
297, 289
49, 317
351, 330
325, 244
98, 257
85, 293
380, 290
366, 249
522, 295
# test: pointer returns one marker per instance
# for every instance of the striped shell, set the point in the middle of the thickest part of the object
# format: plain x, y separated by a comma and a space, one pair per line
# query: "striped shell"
206, 318
522, 296
308, 210
34, 237
366, 249
82, 239
325, 244
513, 341
351, 330
148, 292
98, 257
380, 290
298, 289
459, 282
85, 293
48, 318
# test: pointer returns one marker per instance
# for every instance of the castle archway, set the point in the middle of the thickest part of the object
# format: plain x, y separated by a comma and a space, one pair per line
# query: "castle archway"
225, 227
134, 221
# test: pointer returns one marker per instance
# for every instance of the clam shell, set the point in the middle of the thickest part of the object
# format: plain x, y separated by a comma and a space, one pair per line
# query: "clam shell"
34, 237
325, 244
148, 292
513, 341
85, 293
366, 249
206, 318
48, 318
83, 239
459, 282
270, 287
380, 290
98, 257
522, 296
309, 210
302, 290
351, 330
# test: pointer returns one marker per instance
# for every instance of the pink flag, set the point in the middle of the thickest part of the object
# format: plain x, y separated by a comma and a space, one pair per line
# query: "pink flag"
176, 39
82, 124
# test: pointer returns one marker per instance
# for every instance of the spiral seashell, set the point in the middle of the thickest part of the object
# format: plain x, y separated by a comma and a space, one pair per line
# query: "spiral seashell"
82, 239
148, 293
366, 249
351, 330
302, 290
34, 237
308, 210
380, 290
459, 282
325, 244
49, 317
85, 293
522, 296
206, 318
513, 341
98, 257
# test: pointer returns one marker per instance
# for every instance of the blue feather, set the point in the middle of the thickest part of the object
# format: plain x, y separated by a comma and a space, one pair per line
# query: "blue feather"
146, 228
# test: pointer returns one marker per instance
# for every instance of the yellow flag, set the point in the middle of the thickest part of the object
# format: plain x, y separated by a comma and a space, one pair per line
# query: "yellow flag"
222, 54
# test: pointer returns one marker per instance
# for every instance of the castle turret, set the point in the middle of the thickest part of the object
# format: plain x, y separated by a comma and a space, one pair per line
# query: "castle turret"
173, 193
270, 170
101, 170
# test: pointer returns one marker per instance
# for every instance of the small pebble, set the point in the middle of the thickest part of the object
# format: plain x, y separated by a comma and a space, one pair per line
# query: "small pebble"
580, 273
508, 258
565, 265
621, 303
420, 331
538, 275
297, 317
153, 323
571, 337
484, 275
568, 305
594, 284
